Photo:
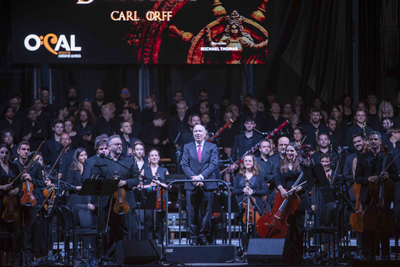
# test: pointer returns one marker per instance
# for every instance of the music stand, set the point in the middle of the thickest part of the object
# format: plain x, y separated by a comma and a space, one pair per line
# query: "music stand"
98, 187
220, 205
316, 175
145, 200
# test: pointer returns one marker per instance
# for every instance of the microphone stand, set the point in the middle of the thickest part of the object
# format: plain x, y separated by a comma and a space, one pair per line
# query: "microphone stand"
345, 202
178, 157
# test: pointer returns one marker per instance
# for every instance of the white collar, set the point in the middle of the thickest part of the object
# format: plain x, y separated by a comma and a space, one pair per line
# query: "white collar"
201, 144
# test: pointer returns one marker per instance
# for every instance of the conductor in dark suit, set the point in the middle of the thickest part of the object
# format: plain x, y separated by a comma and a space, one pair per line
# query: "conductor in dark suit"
199, 162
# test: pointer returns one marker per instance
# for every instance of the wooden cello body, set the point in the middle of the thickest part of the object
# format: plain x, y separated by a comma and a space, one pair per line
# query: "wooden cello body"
378, 216
356, 218
274, 223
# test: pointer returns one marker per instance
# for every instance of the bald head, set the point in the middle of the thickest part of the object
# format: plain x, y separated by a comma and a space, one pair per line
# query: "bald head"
199, 133
283, 142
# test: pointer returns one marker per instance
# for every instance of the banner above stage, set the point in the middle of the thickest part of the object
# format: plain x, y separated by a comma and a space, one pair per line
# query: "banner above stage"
140, 31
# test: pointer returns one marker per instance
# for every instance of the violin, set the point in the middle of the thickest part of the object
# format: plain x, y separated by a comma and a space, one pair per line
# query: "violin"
10, 214
160, 195
28, 199
251, 215
378, 217
274, 223
121, 206
10, 202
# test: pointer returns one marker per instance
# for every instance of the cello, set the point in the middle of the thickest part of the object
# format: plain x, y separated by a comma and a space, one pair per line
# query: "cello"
274, 223
356, 218
378, 217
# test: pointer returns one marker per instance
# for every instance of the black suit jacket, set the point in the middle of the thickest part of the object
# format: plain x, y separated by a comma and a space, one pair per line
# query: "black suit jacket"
50, 147
207, 166
239, 146
106, 169
367, 166
35, 171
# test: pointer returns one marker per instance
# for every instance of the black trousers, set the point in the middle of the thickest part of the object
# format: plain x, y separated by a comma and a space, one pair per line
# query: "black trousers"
30, 231
116, 229
199, 209
296, 229
370, 243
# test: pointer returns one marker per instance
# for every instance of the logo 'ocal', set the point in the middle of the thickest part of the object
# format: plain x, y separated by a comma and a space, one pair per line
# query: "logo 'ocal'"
33, 42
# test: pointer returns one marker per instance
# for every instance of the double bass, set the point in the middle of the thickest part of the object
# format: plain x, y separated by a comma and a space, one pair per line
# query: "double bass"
378, 217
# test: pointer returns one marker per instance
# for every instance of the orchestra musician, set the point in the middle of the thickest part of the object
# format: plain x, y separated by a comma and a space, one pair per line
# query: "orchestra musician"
128, 173
349, 176
142, 161
369, 170
288, 172
154, 171
325, 160
74, 178
29, 213
268, 168
8, 171
199, 162
247, 181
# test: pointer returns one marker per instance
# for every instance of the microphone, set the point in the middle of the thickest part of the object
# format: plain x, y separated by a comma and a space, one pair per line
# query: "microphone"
216, 107
104, 156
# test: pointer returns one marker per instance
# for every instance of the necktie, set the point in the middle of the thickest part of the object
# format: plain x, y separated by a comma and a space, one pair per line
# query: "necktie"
199, 153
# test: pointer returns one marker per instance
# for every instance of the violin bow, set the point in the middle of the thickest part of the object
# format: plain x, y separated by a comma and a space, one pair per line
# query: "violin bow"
55, 163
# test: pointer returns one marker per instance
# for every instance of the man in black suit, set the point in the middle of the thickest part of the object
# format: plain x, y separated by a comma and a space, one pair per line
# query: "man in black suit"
314, 128
199, 162
66, 157
369, 170
360, 127
245, 141
29, 212
53, 145
105, 124
127, 171
127, 140
269, 168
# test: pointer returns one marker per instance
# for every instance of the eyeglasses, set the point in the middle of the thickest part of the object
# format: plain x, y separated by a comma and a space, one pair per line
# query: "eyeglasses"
118, 144
125, 91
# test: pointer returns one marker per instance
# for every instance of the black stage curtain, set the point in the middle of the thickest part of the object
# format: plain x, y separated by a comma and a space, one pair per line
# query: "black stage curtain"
379, 46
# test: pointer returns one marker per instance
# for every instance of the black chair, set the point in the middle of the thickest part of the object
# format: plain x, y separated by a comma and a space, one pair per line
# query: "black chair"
328, 225
76, 224
8, 236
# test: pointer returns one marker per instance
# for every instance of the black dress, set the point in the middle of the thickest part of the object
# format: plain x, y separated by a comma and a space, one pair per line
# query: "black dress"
286, 179
74, 177
254, 183
162, 172
14, 227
